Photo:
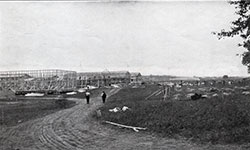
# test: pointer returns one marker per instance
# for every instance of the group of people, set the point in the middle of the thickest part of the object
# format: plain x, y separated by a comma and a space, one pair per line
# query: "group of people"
103, 95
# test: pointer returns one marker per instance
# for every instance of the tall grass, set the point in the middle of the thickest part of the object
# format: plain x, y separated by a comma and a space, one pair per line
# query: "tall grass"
216, 120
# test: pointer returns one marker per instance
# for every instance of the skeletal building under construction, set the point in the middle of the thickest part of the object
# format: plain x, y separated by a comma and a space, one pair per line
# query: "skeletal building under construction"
52, 80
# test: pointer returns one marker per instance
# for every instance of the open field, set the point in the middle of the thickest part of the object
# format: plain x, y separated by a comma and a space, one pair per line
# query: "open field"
19, 109
24, 109
73, 128
222, 117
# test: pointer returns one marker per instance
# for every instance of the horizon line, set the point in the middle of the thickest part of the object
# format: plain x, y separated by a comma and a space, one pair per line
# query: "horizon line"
115, 70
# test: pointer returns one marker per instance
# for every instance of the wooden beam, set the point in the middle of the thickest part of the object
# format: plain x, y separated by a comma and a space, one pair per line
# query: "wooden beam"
136, 129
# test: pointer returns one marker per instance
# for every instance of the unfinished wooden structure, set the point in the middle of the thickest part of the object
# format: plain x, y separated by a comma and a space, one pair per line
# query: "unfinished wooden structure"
38, 80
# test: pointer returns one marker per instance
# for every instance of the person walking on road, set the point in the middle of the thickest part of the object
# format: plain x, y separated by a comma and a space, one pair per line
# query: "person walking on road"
87, 95
104, 95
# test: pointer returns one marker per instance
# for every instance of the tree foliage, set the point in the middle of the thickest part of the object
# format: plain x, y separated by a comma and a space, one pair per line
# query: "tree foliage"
240, 27
225, 77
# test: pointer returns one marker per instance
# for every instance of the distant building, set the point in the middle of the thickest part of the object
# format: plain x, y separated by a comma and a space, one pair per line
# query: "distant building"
105, 78
89, 78
136, 77
116, 77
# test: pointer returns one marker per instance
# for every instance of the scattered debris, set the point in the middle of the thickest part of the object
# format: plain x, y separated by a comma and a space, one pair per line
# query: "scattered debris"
135, 86
214, 95
241, 88
202, 89
190, 90
116, 109
34, 94
196, 96
115, 86
228, 89
246, 93
90, 87
176, 96
124, 108
81, 90
214, 90
226, 94
189, 95
136, 129
205, 96
178, 86
71, 93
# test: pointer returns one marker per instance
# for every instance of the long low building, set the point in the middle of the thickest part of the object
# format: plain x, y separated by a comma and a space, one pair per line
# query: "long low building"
105, 78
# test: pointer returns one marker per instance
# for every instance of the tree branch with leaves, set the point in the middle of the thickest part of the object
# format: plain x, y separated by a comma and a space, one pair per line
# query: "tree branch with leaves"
240, 27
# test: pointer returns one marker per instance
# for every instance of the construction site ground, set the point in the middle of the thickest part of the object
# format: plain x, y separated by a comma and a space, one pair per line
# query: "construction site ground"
75, 129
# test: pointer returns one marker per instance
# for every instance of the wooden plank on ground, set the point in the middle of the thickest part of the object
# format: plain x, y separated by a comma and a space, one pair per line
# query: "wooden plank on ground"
136, 129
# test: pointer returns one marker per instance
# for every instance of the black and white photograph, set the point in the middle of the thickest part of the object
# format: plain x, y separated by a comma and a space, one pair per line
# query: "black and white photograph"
125, 75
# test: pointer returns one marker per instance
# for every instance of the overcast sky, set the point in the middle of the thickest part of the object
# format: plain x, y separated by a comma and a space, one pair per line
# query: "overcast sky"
171, 38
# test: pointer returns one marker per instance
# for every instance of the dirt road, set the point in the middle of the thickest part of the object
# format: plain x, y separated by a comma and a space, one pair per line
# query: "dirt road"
73, 129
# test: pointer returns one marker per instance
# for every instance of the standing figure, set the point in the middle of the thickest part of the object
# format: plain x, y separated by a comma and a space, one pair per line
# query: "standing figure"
87, 95
103, 96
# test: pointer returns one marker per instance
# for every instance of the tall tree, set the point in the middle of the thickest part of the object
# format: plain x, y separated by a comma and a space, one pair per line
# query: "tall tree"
240, 27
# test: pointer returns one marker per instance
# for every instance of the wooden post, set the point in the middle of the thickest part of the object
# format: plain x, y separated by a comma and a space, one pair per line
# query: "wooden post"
2, 116
166, 92
81, 82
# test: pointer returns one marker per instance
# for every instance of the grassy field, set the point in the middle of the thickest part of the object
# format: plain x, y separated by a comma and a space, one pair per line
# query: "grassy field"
218, 119
24, 109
